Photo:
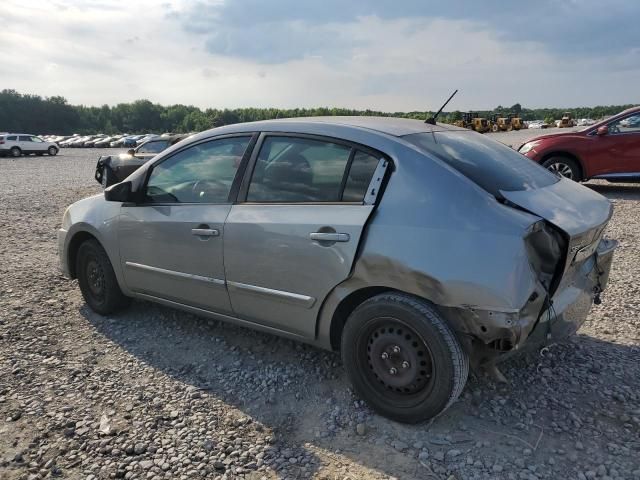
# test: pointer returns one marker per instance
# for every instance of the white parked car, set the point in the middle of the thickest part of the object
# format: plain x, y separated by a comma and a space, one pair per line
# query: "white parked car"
17, 144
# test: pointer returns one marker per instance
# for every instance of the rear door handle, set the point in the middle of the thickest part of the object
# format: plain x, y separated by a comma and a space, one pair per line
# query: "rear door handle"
329, 237
205, 232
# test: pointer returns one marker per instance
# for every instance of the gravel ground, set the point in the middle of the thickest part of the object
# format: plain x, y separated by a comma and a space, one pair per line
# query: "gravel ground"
154, 393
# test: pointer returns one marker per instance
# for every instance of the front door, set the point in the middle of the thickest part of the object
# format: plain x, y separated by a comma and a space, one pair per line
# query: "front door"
296, 235
619, 149
171, 244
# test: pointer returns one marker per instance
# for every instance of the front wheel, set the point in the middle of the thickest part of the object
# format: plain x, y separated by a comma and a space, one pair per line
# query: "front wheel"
402, 358
52, 151
97, 279
563, 166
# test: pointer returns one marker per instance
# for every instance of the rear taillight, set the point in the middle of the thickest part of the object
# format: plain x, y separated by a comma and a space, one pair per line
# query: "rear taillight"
1, 141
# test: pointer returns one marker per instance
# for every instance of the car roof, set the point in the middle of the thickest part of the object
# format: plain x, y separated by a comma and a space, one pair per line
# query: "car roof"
389, 125
631, 110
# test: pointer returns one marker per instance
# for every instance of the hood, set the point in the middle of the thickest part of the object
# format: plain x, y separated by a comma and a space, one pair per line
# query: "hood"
571, 207
554, 135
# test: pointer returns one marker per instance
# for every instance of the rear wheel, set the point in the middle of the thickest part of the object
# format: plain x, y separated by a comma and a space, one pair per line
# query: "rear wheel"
97, 279
52, 151
563, 166
15, 152
402, 358
494, 127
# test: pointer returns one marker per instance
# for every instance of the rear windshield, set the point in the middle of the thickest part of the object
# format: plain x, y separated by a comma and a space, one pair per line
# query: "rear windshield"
490, 164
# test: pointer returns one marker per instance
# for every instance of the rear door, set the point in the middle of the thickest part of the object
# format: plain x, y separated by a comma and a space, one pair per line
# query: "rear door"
25, 143
294, 233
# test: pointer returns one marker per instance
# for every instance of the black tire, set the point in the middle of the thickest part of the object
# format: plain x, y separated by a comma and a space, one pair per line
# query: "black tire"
564, 166
97, 279
15, 152
53, 151
430, 366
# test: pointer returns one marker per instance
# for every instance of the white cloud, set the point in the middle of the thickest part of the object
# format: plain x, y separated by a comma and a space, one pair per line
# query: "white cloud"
111, 52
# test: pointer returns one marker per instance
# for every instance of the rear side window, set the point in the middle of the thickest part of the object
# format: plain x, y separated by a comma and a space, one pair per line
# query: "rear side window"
153, 147
12, 138
490, 164
359, 177
294, 170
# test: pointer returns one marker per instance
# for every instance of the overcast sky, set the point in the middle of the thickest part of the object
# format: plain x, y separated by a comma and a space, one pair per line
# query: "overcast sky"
380, 54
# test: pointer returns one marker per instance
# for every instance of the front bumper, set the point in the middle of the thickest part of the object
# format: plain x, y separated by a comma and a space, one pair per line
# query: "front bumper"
62, 253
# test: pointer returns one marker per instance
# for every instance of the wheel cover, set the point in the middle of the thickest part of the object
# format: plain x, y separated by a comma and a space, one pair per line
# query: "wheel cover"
561, 169
399, 361
95, 278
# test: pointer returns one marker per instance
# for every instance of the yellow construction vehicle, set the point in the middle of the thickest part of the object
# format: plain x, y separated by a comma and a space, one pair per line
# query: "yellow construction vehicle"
500, 124
566, 120
517, 123
472, 122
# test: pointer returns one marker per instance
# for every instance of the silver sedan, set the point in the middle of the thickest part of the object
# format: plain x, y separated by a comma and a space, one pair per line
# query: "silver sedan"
415, 250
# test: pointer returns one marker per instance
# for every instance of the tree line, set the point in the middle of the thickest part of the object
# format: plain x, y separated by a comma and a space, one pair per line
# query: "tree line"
54, 115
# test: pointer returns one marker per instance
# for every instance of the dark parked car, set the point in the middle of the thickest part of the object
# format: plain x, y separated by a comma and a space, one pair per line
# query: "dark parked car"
115, 168
609, 150
415, 250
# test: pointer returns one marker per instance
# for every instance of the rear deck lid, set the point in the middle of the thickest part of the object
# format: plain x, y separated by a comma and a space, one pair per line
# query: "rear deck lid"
571, 207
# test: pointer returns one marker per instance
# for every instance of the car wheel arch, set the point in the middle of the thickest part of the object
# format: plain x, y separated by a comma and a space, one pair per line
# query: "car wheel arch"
569, 155
348, 304
72, 249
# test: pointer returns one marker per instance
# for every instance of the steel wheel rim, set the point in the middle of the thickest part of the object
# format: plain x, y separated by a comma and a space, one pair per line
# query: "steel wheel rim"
561, 169
398, 362
95, 278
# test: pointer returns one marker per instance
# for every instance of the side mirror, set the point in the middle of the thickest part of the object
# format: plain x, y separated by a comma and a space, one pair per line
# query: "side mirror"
603, 130
120, 192
131, 152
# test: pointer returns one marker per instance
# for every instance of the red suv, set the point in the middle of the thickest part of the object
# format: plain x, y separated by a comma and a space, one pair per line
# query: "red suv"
609, 150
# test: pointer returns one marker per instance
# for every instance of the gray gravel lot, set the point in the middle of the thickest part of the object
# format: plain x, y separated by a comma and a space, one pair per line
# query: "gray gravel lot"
154, 393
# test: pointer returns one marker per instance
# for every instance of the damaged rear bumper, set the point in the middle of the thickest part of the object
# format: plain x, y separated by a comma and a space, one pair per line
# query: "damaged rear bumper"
571, 304
489, 336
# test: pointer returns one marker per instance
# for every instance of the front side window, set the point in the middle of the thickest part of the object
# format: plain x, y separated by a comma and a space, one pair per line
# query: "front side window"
36, 139
625, 125
292, 170
203, 173
153, 147
24, 138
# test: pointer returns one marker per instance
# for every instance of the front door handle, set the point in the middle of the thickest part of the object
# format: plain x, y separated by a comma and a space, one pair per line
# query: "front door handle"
205, 232
329, 237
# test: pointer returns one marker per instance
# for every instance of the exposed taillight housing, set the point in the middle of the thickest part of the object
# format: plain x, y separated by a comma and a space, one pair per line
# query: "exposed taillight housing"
547, 249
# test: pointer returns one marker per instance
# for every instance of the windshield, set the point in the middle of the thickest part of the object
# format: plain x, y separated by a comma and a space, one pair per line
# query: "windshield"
490, 164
